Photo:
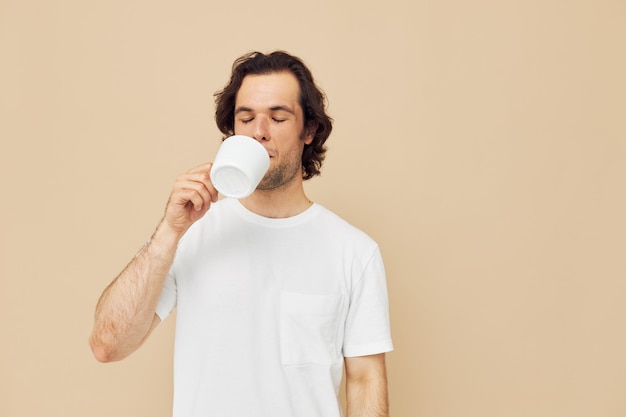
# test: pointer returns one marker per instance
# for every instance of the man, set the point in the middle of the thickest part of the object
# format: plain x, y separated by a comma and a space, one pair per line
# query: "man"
274, 294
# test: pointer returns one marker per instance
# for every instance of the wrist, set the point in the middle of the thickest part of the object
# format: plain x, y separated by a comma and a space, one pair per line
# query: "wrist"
165, 237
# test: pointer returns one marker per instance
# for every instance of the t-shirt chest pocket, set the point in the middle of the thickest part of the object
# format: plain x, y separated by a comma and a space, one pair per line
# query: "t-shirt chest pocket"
310, 330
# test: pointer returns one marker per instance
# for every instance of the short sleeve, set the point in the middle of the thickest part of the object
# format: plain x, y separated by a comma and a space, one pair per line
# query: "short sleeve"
167, 301
367, 329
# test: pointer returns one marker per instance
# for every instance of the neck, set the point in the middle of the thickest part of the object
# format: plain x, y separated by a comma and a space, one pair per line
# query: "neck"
278, 204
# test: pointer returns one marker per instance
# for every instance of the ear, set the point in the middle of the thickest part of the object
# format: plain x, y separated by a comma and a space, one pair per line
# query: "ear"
309, 132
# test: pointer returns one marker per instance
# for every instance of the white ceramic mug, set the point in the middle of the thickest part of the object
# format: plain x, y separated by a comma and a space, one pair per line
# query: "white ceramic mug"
239, 166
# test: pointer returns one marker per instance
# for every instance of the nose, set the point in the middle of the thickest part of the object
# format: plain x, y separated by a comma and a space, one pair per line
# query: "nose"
261, 129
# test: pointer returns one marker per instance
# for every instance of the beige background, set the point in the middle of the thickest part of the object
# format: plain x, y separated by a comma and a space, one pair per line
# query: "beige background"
482, 144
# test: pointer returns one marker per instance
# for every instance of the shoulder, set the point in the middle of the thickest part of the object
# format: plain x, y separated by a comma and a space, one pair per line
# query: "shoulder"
343, 230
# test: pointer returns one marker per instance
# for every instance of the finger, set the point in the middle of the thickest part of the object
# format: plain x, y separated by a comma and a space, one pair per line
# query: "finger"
201, 175
190, 198
197, 200
206, 167
212, 190
199, 182
199, 195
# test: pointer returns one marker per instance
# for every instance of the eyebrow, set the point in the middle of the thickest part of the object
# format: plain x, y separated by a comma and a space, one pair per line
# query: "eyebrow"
243, 109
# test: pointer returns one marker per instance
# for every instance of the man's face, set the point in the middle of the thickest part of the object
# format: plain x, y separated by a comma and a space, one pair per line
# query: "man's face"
267, 108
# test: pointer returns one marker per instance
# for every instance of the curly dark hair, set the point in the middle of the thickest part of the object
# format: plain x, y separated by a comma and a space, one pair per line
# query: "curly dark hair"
312, 101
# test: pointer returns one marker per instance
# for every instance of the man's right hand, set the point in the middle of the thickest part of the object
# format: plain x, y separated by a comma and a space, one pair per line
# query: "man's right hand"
191, 197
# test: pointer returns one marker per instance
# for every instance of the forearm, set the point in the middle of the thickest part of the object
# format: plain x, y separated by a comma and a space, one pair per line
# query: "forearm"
126, 310
366, 387
367, 399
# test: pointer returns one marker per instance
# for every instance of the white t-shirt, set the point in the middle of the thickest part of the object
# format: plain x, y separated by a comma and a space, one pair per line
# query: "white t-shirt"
268, 308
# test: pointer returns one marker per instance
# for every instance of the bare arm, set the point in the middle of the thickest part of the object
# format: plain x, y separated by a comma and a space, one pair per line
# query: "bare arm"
125, 314
366, 386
